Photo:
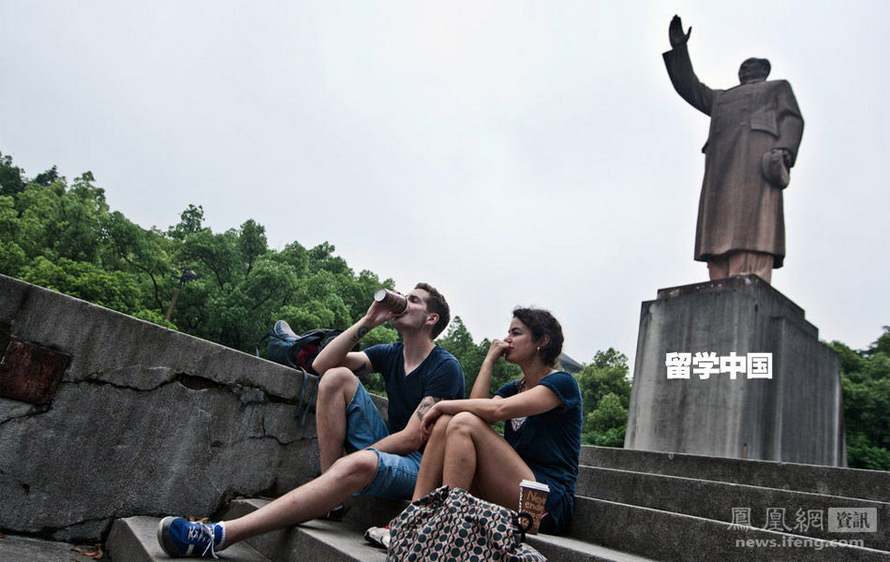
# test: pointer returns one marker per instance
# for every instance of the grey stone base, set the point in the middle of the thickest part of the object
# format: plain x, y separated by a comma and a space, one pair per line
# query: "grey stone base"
795, 416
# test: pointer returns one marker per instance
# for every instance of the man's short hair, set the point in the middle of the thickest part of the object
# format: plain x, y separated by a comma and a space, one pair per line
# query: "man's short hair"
437, 304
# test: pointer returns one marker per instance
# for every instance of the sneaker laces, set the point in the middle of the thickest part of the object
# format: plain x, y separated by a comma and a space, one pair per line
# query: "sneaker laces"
200, 530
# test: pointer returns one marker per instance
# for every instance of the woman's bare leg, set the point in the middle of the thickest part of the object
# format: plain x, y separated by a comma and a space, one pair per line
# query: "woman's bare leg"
477, 457
430, 475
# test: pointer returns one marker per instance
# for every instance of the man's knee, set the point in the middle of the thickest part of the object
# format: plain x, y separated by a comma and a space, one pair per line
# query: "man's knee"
359, 468
338, 379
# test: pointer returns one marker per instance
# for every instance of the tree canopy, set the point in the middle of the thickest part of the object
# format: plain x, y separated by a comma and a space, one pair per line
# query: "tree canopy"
865, 378
63, 236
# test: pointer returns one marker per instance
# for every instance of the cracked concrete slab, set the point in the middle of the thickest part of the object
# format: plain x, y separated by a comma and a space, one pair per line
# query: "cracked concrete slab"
112, 346
145, 421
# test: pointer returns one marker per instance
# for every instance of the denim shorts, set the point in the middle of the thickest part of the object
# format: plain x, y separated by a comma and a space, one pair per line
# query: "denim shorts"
396, 474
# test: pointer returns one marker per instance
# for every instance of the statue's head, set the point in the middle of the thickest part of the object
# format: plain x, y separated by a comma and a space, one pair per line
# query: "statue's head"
754, 70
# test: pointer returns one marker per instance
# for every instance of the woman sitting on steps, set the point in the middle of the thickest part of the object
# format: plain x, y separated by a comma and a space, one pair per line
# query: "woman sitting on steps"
542, 434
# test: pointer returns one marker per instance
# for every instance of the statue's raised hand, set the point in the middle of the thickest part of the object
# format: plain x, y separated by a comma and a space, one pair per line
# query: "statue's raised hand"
675, 32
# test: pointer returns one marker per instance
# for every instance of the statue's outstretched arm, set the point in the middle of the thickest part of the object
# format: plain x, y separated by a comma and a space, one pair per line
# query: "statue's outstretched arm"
679, 68
675, 32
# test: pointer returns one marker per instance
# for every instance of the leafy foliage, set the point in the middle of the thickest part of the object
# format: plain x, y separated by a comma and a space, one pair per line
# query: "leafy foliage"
64, 236
459, 342
605, 390
865, 378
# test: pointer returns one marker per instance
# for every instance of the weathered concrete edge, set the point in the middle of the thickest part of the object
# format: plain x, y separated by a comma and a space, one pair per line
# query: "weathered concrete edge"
666, 535
829, 480
716, 500
22, 302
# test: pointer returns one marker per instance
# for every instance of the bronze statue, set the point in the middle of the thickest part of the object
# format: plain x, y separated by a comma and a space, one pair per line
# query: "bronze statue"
754, 135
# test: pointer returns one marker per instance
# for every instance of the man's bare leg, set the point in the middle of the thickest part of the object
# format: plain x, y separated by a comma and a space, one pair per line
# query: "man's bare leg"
313, 499
335, 390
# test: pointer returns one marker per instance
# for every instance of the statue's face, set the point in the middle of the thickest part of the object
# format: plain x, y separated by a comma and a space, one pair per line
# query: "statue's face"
754, 70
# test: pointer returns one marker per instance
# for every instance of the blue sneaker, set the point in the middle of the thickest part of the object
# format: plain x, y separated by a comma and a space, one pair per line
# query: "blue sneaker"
180, 537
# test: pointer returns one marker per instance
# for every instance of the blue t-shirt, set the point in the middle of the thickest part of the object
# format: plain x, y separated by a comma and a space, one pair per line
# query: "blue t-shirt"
550, 444
439, 375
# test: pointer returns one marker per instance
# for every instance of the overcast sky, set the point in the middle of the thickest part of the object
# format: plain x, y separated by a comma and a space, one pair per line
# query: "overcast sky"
508, 153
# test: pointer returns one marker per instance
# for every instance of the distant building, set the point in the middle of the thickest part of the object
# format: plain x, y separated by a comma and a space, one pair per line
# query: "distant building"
569, 364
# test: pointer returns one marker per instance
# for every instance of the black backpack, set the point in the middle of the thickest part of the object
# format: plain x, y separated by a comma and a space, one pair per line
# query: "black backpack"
287, 348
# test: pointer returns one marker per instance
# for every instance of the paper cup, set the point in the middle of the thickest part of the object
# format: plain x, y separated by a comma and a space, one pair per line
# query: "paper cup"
532, 500
391, 300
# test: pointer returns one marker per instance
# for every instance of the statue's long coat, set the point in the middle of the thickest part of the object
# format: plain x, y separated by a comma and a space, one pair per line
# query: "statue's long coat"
738, 208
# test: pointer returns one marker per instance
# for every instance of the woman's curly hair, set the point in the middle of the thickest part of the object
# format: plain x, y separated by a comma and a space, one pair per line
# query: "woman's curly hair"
542, 323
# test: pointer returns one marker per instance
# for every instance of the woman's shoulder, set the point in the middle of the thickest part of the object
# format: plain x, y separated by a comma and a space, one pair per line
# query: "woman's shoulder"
508, 388
560, 377
564, 385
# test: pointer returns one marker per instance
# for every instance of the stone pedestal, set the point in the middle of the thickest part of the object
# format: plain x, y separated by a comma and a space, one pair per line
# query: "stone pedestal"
795, 416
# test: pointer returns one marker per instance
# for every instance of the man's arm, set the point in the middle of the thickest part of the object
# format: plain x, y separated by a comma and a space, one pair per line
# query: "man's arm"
409, 439
337, 354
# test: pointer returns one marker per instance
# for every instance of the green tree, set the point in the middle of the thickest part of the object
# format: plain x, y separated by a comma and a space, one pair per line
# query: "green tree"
606, 424
49, 177
65, 237
191, 221
116, 289
605, 391
459, 342
12, 257
252, 243
134, 249
865, 379
12, 179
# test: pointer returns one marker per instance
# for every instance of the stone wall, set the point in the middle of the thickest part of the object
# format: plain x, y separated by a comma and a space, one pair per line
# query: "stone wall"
105, 416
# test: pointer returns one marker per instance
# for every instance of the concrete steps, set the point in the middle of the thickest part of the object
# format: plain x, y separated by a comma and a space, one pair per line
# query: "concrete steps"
834, 481
567, 549
134, 539
631, 506
343, 541
716, 500
664, 535
21, 549
675, 491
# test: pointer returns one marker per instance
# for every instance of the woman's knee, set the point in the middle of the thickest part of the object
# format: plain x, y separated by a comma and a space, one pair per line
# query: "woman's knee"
465, 422
442, 424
